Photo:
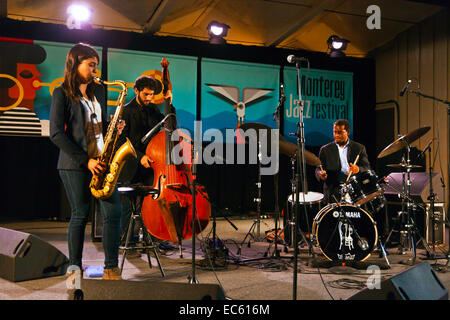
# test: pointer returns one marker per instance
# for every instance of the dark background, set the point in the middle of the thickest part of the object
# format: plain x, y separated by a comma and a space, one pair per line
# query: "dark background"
30, 187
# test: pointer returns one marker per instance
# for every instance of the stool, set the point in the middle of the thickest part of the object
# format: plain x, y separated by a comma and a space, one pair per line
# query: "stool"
135, 193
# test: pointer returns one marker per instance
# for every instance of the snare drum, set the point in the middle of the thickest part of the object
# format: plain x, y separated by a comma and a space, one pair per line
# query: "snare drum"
310, 204
336, 238
365, 189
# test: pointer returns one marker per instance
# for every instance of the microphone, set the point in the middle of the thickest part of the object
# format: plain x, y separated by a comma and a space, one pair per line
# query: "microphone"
426, 148
405, 87
294, 59
156, 127
283, 97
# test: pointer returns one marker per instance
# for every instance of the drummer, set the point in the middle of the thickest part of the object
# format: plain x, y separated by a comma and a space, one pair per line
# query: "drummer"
338, 160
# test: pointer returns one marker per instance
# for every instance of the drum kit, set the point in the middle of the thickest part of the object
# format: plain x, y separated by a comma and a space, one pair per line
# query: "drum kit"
346, 231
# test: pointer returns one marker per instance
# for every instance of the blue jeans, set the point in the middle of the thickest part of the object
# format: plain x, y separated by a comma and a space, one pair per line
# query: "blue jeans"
78, 193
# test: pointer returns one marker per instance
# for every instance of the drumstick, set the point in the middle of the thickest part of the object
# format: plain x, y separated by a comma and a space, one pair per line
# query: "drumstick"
350, 172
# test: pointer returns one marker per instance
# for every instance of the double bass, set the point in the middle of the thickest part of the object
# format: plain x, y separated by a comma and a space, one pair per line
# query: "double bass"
168, 214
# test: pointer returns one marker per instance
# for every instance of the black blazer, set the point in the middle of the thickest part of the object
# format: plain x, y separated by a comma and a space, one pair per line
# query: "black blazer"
67, 128
331, 163
138, 121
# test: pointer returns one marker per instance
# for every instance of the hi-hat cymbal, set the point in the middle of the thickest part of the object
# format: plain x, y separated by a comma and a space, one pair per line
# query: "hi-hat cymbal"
287, 148
403, 166
403, 141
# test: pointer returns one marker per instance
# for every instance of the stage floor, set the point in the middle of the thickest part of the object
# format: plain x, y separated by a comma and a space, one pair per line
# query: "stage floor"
266, 278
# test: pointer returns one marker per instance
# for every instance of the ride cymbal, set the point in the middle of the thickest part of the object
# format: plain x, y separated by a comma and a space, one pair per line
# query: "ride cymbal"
404, 140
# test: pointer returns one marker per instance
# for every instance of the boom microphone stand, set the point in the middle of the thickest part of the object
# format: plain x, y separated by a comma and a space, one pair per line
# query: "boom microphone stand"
419, 94
301, 172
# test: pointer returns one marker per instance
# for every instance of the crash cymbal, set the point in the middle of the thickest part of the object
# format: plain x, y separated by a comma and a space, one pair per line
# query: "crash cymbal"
403, 166
287, 148
290, 150
403, 141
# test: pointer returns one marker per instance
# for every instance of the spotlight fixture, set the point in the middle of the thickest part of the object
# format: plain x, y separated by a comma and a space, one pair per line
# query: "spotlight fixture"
217, 31
337, 46
78, 15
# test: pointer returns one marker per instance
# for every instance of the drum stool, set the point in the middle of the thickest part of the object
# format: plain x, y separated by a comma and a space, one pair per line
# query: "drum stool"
135, 193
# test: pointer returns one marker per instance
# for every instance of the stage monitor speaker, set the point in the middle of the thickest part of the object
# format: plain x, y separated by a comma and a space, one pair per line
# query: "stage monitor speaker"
25, 257
93, 289
419, 282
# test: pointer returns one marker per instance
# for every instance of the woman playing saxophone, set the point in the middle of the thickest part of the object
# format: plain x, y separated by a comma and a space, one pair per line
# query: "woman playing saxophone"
77, 127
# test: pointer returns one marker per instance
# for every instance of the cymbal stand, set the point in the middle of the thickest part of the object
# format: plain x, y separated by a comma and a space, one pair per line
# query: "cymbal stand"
257, 222
410, 227
276, 117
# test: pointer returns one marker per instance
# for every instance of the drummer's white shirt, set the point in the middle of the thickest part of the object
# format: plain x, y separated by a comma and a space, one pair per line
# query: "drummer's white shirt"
343, 157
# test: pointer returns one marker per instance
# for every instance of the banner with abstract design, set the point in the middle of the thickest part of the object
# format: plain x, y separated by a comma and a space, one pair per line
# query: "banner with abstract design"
234, 93
328, 96
29, 72
128, 65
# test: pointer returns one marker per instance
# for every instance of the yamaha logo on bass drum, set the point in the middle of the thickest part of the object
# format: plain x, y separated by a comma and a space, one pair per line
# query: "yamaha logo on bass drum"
349, 214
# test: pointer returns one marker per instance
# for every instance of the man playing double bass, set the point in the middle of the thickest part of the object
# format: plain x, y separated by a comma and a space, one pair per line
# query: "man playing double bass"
140, 116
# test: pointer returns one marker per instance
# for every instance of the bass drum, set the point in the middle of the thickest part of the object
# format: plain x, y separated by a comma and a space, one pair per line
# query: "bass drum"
337, 238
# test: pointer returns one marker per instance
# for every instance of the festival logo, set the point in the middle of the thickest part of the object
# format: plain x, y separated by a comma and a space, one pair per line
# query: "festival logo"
232, 93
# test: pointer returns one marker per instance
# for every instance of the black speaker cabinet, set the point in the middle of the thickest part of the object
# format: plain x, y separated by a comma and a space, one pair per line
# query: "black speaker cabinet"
419, 282
26, 257
436, 223
93, 289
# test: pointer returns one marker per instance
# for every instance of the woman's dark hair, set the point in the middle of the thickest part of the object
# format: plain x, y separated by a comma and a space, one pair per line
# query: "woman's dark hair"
72, 80
149, 83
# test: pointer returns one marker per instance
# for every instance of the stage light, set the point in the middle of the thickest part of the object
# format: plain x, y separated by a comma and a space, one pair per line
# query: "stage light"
337, 46
217, 31
79, 12
78, 15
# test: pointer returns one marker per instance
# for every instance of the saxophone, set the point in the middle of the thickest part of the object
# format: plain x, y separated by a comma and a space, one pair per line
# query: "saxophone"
102, 186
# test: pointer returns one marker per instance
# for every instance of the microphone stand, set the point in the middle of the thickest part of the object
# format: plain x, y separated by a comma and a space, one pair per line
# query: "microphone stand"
431, 197
192, 278
301, 167
419, 94
145, 138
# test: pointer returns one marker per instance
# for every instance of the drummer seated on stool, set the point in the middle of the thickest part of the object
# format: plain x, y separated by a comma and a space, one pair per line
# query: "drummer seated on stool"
338, 160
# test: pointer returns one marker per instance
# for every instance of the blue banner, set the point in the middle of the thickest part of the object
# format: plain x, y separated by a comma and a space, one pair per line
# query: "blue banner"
127, 65
234, 93
328, 96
